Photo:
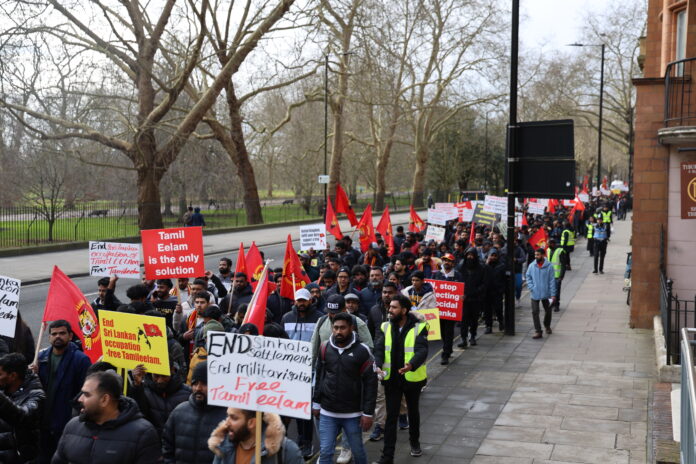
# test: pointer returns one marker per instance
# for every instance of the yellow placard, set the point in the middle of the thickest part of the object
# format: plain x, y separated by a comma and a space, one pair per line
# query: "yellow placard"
132, 339
432, 317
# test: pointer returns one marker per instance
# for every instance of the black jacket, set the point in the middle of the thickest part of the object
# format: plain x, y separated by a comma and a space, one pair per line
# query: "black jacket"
496, 279
156, 405
109, 303
238, 297
457, 277
420, 354
128, 439
20, 420
345, 381
475, 281
278, 306
185, 437
377, 315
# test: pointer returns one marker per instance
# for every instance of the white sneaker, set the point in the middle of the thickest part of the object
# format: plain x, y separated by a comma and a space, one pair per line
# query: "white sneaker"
345, 457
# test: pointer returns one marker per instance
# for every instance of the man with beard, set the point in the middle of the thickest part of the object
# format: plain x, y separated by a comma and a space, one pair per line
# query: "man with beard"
474, 276
447, 273
109, 430
190, 424
106, 298
401, 351
345, 391
21, 402
241, 294
157, 395
542, 288
371, 294
234, 440
62, 369
164, 301
225, 273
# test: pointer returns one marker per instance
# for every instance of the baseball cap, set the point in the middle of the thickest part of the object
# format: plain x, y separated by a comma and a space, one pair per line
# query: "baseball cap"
303, 294
448, 256
351, 296
335, 303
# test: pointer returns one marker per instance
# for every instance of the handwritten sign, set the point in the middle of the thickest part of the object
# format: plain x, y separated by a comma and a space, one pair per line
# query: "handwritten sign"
9, 303
449, 297
536, 208
436, 216
494, 204
132, 339
432, 317
108, 258
313, 236
436, 233
171, 253
260, 374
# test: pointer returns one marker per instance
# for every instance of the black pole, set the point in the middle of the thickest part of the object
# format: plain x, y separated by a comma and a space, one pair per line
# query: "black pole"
599, 135
326, 129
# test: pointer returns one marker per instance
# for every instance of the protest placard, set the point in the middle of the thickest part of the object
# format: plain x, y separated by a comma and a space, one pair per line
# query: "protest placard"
584, 197
535, 208
437, 217
260, 374
432, 317
9, 303
436, 233
313, 236
465, 214
450, 298
449, 209
132, 339
486, 218
494, 204
109, 258
171, 253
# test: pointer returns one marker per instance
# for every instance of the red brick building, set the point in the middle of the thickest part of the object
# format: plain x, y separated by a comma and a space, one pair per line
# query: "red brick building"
665, 139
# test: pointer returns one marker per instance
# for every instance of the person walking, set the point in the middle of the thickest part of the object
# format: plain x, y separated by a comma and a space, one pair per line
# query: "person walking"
447, 273
542, 287
400, 355
601, 237
558, 256
345, 390
475, 288
591, 224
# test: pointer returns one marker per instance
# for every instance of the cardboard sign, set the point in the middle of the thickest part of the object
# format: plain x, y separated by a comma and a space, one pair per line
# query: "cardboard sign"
688, 190
171, 253
260, 374
132, 339
465, 215
436, 233
109, 258
494, 204
484, 217
450, 209
536, 208
313, 236
438, 217
449, 297
432, 317
9, 303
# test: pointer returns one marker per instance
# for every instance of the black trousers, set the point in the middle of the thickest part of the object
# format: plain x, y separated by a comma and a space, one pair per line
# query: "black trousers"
535, 314
590, 246
393, 391
472, 310
494, 305
305, 432
559, 282
600, 251
447, 332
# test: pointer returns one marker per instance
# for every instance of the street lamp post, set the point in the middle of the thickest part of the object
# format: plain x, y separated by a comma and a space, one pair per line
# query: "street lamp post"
326, 129
601, 109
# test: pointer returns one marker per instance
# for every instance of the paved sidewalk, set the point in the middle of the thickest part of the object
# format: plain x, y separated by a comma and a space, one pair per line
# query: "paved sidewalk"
579, 395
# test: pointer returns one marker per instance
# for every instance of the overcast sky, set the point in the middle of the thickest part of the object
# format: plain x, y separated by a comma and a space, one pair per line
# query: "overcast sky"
551, 24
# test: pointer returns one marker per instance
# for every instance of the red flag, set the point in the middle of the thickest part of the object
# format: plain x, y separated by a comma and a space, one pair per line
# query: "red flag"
152, 330
385, 228
332, 226
539, 239
415, 223
524, 220
552, 207
585, 183
241, 262
472, 234
343, 205
256, 313
66, 301
254, 262
367, 229
604, 183
292, 267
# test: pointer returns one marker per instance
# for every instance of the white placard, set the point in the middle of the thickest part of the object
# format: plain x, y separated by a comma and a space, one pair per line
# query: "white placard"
260, 374
9, 302
584, 197
435, 233
323, 179
313, 236
518, 220
465, 215
449, 209
110, 258
494, 204
535, 208
435, 216
569, 203
605, 192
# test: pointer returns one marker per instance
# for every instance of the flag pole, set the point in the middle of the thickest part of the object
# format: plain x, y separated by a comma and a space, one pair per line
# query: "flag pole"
259, 425
38, 343
256, 293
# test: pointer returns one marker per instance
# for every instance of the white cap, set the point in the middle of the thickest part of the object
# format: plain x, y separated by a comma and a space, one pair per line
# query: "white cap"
303, 294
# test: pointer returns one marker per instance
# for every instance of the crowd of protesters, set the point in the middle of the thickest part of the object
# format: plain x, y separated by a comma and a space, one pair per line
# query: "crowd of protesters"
369, 347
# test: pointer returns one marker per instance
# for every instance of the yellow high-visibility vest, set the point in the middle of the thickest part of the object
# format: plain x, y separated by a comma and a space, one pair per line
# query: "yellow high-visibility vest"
409, 351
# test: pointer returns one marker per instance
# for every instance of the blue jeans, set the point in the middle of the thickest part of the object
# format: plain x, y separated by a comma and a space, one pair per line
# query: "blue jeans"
518, 285
328, 430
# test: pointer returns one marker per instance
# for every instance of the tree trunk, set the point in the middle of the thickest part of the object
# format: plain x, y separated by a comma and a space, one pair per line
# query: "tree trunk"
182, 202
168, 204
269, 191
419, 176
149, 214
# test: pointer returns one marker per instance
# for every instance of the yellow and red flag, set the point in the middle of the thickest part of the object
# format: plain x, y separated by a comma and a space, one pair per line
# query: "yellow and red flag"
241, 262
539, 239
343, 205
415, 223
384, 227
292, 267
254, 263
332, 226
472, 234
367, 229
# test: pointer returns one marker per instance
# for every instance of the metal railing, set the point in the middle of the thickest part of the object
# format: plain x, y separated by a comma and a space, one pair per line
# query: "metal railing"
676, 314
680, 100
688, 397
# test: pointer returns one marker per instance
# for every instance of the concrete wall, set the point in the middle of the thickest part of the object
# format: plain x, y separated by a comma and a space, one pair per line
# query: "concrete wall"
681, 235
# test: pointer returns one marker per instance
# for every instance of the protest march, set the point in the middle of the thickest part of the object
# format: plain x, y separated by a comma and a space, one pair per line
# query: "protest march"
311, 358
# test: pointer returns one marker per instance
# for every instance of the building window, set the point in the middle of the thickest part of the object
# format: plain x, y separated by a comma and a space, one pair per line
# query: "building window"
680, 48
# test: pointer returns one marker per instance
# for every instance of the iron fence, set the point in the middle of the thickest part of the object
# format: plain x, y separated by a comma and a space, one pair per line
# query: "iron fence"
676, 314
680, 100
688, 397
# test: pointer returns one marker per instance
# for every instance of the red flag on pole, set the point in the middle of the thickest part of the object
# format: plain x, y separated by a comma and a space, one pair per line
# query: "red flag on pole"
292, 267
585, 183
256, 313
552, 206
254, 262
539, 239
332, 226
524, 220
343, 205
385, 228
367, 229
66, 301
415, 223
241, 262
472, 234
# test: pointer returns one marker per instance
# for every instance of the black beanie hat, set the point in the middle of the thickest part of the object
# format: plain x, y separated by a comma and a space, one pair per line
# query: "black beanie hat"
200, 373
